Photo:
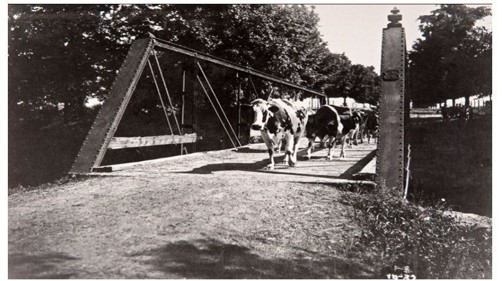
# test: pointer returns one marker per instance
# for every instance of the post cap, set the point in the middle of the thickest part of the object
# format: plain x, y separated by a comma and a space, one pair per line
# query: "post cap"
394, 18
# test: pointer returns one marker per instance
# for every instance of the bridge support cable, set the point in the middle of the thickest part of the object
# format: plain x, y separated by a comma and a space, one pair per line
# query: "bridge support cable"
215, 110
167, 92
218, 102
160, 97
254, 88
183, 109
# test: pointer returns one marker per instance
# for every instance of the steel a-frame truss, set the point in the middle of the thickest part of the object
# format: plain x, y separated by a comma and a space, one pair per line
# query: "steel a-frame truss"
101, 135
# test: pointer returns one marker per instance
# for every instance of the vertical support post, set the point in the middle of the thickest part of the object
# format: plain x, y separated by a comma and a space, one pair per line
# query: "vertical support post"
182, 107
194, 115
239, 107
392, 105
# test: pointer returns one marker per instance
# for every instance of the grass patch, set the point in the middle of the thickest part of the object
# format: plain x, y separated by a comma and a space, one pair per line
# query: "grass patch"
400, 238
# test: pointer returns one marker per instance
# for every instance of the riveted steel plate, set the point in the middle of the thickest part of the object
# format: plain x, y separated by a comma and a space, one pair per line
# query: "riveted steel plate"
391, 145
94, 147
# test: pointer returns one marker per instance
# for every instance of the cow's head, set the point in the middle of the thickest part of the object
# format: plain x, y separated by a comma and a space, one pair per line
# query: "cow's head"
262, 112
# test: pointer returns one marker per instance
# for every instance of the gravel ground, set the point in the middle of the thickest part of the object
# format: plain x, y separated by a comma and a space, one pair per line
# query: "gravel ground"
207, 215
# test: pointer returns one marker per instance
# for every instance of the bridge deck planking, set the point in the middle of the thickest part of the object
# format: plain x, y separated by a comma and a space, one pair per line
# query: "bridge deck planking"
251, 162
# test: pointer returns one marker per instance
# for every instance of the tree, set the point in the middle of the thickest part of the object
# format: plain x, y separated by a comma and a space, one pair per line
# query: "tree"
337, 70
356, 81
365, 84
454, 58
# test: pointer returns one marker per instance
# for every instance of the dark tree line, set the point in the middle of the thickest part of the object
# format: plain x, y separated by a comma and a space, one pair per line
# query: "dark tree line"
60, 56
454, 58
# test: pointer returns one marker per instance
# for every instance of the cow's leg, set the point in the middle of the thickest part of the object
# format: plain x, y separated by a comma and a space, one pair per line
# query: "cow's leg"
323, 141
279, 145
310, 147
289, 148
275, 142
292, 158
331, 144
354, 140
342, 151
270, 145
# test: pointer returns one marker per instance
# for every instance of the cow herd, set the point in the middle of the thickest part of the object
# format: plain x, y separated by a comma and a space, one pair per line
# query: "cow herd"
282, 121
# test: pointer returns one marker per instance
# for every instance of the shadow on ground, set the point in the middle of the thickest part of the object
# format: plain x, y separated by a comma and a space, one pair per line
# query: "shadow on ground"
258, 167
280, 168
43, 266
214, 260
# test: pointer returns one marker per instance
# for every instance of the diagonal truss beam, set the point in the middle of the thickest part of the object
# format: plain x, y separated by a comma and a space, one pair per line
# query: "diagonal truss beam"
106, 123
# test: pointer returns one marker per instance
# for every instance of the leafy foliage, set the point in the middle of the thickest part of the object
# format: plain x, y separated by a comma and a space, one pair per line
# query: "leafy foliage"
454, 58
432, 243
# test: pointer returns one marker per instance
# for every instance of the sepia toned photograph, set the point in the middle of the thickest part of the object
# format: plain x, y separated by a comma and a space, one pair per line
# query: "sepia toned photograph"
249, 141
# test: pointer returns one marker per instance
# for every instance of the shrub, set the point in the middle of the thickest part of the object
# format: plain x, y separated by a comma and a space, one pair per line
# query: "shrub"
427, 242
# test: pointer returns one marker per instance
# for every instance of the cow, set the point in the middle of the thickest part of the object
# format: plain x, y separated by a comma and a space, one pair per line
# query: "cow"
369, 125
283, 120
351, 123
357, 114
371, 128
358, 134
324, 124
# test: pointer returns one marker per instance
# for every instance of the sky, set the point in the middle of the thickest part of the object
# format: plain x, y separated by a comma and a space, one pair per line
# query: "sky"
356, 30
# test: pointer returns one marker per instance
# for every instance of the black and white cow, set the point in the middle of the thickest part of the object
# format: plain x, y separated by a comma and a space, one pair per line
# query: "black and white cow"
351, 123
324, 124
284, 121
371, 129
358, 134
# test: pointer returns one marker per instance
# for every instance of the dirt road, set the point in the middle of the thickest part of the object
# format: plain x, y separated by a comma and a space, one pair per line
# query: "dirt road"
208, 215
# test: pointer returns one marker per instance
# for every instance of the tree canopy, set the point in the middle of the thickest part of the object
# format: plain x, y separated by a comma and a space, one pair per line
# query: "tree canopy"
69, 53
454, 57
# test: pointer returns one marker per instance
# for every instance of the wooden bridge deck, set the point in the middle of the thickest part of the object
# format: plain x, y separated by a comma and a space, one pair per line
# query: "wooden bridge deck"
252, 160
